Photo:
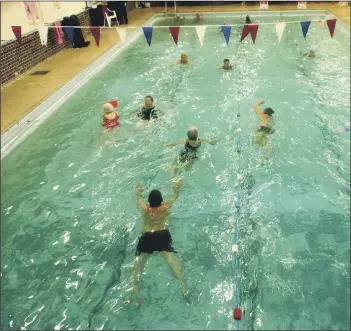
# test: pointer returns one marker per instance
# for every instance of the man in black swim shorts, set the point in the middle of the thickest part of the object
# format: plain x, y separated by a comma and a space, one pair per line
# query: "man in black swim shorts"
156, 236
266, 123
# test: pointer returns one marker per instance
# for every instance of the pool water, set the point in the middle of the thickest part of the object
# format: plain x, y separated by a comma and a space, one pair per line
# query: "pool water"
70, 222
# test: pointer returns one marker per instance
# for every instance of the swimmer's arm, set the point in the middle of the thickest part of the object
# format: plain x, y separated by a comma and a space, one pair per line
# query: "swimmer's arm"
175, 195
139, 199
257, 109
183, 141
211, 142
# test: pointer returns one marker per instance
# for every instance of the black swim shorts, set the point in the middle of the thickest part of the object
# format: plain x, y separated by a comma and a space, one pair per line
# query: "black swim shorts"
160, 241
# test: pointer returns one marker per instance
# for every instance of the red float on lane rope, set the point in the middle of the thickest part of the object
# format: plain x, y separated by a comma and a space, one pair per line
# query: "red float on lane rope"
237, 314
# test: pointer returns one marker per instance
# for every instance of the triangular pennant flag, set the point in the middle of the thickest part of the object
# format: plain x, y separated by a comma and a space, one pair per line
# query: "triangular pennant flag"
174, 30
122, 32
43, 34
279, 28
226, 31
17, 31
200, 30
245, 32
253, 31
304, 27
95, 30
331, 26
148, 33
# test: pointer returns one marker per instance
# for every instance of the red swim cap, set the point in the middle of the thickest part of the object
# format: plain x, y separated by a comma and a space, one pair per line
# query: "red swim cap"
114, 103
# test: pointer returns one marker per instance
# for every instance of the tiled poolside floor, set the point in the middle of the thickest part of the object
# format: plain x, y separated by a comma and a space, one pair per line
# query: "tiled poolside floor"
21, 96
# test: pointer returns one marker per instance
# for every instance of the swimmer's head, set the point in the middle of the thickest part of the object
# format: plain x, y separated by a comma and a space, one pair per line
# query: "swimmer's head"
268, 111
226, 61
247, 19
108, 108
155, 198
149, 100
198, 15
184, 57
193, 133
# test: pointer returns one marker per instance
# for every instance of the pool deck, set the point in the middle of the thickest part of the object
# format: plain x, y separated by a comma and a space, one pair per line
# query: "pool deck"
21, 96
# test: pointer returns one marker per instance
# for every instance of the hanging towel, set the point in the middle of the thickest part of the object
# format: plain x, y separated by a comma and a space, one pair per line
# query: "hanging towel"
58, 33
31, 9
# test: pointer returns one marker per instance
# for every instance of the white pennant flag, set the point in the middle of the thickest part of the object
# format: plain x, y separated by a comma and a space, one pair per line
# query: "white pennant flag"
201, 29
122, 34
279, 28
43, 34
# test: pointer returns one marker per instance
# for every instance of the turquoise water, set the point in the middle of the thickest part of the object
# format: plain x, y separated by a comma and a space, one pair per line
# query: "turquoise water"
69, 218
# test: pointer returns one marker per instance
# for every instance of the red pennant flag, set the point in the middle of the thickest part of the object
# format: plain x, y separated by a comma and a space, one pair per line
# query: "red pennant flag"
174, 30
95, 30
17, 30
253, 31
245, 32
331, 26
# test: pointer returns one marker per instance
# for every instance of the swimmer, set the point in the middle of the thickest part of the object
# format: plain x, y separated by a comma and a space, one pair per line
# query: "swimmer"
309, 54
266, 122
248, 19
226, 65
110, 117
178, 18
156, 236
198, 17
148, 111
188, 154
184, 59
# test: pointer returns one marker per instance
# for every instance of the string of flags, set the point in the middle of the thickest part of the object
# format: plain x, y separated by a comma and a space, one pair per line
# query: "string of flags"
247, 29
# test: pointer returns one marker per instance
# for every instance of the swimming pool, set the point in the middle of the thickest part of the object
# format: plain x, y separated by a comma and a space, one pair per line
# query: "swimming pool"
70, 221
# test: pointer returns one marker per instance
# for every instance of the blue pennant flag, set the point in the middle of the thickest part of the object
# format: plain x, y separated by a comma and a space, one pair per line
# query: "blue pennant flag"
226, 31
148, 34
304, 27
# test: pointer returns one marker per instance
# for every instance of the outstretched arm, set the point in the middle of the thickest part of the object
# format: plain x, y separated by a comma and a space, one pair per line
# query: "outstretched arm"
175, 195
211, 142
183, 141
257, 107
139, 200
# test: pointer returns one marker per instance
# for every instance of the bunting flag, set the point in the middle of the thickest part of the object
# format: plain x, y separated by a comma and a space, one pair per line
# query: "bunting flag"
304, 27
122, 32
43, 34
148, 33
279, 28
17, 31
226, 32
331, 26
95, 30
245, 32
253, 31
200, 30
174, 30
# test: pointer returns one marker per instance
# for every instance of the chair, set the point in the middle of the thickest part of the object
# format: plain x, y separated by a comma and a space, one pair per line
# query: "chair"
108, 17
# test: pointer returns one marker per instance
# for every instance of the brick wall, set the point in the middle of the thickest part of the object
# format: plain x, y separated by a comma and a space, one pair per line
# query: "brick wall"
18, 57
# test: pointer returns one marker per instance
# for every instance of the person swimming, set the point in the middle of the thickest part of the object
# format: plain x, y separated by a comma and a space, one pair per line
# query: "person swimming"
248, 19
266, 123
155, 236
226, 65
198, 17
188, 154
148, 111
184, 59
110, 117
309, 54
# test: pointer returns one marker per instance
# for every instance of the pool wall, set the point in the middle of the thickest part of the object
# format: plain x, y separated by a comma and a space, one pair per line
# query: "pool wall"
18, 132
